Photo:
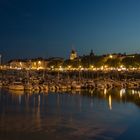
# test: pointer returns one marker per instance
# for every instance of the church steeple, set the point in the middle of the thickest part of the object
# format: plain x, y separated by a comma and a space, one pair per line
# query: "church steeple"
91, 53
73, 54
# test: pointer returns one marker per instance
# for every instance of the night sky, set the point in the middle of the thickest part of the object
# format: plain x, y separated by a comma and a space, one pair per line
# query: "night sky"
46, 28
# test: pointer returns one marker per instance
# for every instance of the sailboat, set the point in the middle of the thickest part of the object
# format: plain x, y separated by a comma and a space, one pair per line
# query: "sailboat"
16, 86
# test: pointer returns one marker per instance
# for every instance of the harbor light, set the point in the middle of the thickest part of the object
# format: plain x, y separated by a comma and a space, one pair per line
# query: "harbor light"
39, 62
102, 67
110, 102
60, 68
52, 68
69, 67
121, 66
110, 56
91, 66
80, 67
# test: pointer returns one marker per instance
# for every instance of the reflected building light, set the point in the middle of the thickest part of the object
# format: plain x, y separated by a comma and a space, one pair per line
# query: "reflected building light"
122, 91
38, 100
105, 91
121, 94
110, 102
133, 91
58, 100
91, 91
19, 99
91, 103
139, 95
37, 115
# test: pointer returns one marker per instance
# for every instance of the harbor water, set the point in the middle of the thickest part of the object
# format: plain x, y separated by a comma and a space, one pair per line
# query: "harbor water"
81, 115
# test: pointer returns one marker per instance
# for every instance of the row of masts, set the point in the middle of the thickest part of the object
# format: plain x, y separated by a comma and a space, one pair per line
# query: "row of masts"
42, 80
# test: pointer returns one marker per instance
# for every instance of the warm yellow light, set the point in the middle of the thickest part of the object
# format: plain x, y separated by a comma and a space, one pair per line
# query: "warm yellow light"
110, 56
102, 67
92, 66
39, 62
60, 68
80, 66
69, 67
52, 67
20, 63
110, 102
105, 66
105, 91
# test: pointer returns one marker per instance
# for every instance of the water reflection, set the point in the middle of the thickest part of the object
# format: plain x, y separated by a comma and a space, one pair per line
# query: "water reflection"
77, 114
122, 91
110, 102
120, 95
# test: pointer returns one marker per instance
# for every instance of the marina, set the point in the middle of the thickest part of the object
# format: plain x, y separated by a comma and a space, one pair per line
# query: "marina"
67, 81
70, 70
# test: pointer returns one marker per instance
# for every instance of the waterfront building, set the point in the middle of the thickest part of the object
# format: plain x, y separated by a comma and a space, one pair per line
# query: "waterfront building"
73, 55
18, 64
35, 64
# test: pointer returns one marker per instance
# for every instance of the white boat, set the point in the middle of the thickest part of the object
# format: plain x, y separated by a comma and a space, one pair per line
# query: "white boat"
28, 87
16, 86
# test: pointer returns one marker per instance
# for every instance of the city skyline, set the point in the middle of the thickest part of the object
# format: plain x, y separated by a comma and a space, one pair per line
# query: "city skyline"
31, 29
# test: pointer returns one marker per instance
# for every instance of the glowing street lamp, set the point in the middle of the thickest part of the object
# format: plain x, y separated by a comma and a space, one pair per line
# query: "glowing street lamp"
92, 67
60, 68
80, 67
110, 56
52, 67
69, 67
20, 64
39, 62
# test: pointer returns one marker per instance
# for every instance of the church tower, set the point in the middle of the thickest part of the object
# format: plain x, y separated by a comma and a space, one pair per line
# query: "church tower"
73, 55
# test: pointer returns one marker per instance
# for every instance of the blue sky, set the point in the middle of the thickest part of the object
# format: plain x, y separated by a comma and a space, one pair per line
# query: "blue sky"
45, 28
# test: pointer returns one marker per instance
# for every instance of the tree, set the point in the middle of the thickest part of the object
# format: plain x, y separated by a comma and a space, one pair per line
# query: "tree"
113, 62
55, 63
129, 62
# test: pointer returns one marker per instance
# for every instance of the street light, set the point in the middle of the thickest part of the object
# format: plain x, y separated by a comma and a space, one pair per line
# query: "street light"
60, 68
39, 62
69, 67
110, 56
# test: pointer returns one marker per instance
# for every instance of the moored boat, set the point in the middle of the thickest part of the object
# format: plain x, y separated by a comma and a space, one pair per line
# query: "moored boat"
16, 86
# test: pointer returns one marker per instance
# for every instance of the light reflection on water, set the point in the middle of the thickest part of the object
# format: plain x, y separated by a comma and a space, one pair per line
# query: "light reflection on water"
82, 115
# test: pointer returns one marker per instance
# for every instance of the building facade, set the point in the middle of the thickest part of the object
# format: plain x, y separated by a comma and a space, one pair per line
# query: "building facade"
34, 64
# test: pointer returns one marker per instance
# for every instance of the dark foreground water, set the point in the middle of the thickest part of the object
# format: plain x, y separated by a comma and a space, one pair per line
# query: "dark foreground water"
99, 115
